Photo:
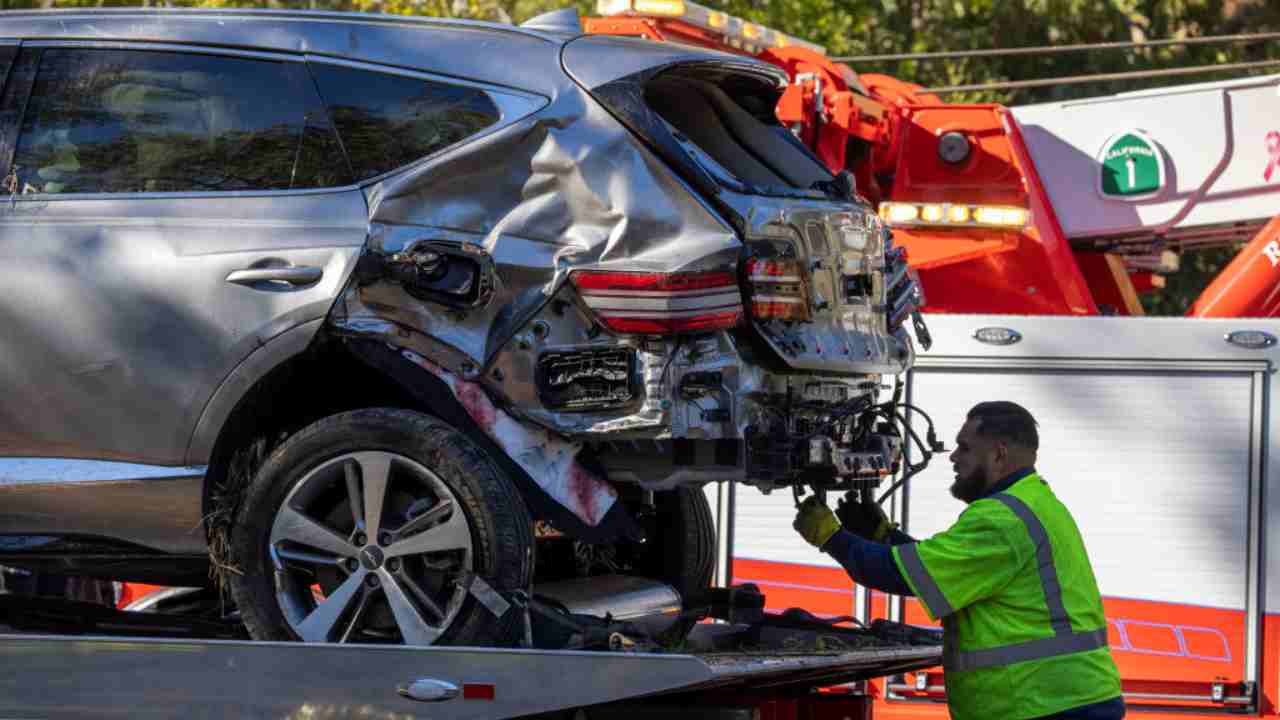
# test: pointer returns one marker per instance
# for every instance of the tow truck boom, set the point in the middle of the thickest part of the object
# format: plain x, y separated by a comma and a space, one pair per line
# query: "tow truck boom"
1071, 208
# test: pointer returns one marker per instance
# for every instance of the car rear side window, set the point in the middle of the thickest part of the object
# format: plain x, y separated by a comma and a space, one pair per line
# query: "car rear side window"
10, 108
388, 121
7, 54
126, 121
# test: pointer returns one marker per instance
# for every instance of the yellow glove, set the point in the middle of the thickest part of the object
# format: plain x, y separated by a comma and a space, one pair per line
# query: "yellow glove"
815, 522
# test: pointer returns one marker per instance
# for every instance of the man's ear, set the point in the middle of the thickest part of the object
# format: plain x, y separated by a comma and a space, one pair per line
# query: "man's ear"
1002, 452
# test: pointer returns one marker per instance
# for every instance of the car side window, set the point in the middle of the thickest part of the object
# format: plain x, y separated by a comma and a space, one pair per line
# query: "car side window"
12, 97
130, 121
388, 121
7, 54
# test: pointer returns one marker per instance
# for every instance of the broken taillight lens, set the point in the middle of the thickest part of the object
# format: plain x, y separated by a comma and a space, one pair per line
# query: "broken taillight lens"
661, 303
776, 289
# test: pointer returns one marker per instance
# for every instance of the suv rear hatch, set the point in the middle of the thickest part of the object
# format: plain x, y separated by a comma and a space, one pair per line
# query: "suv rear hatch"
824, 289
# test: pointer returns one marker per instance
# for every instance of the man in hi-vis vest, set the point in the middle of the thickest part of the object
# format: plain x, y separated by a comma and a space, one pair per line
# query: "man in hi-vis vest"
1023, 630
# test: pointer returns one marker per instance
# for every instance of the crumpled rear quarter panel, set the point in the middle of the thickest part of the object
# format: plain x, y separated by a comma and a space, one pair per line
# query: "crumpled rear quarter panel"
563, 189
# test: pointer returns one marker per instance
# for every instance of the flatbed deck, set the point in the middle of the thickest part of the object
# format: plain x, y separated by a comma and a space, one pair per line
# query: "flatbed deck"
100, 676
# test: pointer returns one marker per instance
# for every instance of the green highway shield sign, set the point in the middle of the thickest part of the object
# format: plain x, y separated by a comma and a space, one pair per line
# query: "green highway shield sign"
1130, 166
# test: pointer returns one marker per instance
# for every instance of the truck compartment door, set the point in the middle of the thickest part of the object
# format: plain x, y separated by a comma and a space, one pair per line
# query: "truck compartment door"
1159, 462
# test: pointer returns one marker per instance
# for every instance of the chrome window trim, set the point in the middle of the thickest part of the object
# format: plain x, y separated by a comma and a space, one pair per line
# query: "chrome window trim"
192, 49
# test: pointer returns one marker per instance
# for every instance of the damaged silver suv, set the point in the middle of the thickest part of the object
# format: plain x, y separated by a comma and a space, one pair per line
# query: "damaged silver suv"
389, 321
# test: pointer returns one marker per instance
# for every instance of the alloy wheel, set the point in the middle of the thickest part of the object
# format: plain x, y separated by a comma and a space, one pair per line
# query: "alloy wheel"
371, 547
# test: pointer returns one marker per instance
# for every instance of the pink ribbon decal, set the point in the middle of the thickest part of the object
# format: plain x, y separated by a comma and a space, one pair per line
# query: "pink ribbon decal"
1273, 149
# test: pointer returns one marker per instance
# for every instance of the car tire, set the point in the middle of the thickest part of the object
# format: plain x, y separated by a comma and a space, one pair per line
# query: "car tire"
684, 551
315, 565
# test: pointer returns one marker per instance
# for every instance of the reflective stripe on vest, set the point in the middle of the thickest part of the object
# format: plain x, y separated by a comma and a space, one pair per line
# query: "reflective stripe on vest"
1021, 652
1063, 642
1044, 558
929, 590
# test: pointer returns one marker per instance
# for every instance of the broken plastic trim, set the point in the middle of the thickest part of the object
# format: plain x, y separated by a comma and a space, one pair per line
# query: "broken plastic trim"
591, 379
431, 391
452, 274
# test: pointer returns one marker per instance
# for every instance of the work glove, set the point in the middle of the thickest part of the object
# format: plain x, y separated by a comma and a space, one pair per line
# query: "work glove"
815, 522
864, 518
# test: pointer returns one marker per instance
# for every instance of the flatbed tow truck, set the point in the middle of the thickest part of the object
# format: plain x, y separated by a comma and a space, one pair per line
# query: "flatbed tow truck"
604, 644
71, 659
64, 659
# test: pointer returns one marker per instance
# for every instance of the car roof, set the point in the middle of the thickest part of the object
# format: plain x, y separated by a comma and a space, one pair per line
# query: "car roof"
488, 52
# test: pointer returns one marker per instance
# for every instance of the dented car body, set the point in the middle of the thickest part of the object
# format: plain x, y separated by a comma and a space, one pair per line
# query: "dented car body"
609, 267
622, 306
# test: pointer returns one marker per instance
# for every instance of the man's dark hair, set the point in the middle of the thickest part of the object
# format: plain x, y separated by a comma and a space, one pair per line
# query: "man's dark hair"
1006, 421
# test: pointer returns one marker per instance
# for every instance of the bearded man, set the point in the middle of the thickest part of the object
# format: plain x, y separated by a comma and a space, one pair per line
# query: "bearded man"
1024, 634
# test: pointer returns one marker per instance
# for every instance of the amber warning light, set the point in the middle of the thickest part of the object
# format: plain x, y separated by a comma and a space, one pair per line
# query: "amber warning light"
737, 33
903, 214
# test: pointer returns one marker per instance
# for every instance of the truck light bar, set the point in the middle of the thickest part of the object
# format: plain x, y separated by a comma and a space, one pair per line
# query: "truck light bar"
738, 33
900, 214
661, 303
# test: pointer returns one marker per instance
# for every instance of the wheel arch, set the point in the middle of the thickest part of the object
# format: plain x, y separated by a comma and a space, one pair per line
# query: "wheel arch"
243, 380
279, 389
282, 388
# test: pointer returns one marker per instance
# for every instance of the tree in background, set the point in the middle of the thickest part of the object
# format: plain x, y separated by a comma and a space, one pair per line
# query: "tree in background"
867, 27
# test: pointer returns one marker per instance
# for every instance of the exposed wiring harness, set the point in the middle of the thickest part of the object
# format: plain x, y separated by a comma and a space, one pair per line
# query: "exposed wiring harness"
865, 415
928, 447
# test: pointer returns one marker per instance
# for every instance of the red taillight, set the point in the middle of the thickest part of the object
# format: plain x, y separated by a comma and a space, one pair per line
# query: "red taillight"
661, 303
776, 289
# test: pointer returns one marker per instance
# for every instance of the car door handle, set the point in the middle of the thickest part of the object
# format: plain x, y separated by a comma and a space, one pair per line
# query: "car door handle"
294, 275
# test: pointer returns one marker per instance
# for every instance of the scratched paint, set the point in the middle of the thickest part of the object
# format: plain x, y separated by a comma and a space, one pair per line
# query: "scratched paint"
551, 461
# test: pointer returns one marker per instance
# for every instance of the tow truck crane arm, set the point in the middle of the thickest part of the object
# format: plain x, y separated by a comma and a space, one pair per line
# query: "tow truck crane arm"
999, 208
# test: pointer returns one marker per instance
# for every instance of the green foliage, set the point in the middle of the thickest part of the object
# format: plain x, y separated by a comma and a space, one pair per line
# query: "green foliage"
866, 27
1196, 269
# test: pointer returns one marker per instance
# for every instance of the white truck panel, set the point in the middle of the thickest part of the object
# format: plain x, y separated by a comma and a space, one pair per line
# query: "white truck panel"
1271, 516
1156, 433
1214, 138
1154, 468
763, 530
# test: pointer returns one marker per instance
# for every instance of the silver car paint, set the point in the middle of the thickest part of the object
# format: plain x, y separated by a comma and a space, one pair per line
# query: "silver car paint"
151, 506
119, 319
110, 391
124, 341
564, 188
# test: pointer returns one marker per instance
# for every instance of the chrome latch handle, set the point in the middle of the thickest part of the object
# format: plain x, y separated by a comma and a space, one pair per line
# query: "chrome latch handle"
429, 690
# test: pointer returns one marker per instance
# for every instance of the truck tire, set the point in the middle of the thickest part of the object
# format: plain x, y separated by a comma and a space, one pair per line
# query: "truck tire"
318, 561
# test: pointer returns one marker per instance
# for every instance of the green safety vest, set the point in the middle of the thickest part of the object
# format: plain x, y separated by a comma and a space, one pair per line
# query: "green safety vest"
1024, 634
